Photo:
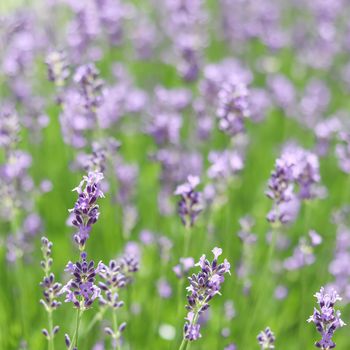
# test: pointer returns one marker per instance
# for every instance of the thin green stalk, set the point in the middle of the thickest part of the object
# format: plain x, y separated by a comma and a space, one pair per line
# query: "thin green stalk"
97, 317
116, 332
77, 328
181, 282
184, 344
264, 277
51, 341
74, 343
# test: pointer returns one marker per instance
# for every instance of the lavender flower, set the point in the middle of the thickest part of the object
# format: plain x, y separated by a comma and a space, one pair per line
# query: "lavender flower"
86, 211
81, 290
225, 164
57, 67
115, 276
203, 287
87, 76
306, 172
266, 339
113, 280
296, 166
327, 320
9, 127
280, 187
51, 289
183, 267
303, 254
164, 288
342, 151
233, 107
165, 128
189, 205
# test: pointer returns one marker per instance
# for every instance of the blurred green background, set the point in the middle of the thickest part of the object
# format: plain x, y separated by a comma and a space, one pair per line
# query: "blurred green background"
21, 315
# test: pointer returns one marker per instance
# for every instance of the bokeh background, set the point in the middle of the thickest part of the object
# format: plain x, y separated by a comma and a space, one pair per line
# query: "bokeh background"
304, 43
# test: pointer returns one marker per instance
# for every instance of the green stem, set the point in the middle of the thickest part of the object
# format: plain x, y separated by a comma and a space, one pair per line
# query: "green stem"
184, 344
187, 240
51, 341
77, 328
181, 282
264, 277
97, 317
75, 339
116, 331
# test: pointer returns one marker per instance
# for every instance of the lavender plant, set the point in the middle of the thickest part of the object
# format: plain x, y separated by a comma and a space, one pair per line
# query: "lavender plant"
190, 204
203, 287
81, 290
51, 291
116, 276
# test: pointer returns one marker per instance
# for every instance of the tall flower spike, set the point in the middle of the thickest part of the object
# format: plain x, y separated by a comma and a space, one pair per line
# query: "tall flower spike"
51, 289
203, 287
266, 339
57, 67
115, 276
190, 204
87, 76
233, 108
327, 320
280, 188
86, 211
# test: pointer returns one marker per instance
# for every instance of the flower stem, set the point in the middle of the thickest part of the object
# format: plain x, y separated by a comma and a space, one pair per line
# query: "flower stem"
184, 344
79, 313
74, 344
187, 236
97, 317
116, 331
51, 341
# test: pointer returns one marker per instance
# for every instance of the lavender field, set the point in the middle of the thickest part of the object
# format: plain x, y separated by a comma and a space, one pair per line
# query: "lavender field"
174, 174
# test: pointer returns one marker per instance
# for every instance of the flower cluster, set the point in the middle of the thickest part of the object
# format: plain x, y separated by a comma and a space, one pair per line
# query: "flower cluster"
113, 281
266, 339
115, 276
51, 289
296, 168
87, 76
9, 128
203, 287
86, 211
233, 107
183, 267
303, 254
190, 204
342, 151
81, 290
57, 67
327, 320
280, 187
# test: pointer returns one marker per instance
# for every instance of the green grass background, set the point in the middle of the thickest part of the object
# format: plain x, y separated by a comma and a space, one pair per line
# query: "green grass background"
21, 315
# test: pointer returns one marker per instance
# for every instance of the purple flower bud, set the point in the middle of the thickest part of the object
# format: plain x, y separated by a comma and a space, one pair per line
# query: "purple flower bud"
190, 204
67, 340
266, 339
122, 327
86, 211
